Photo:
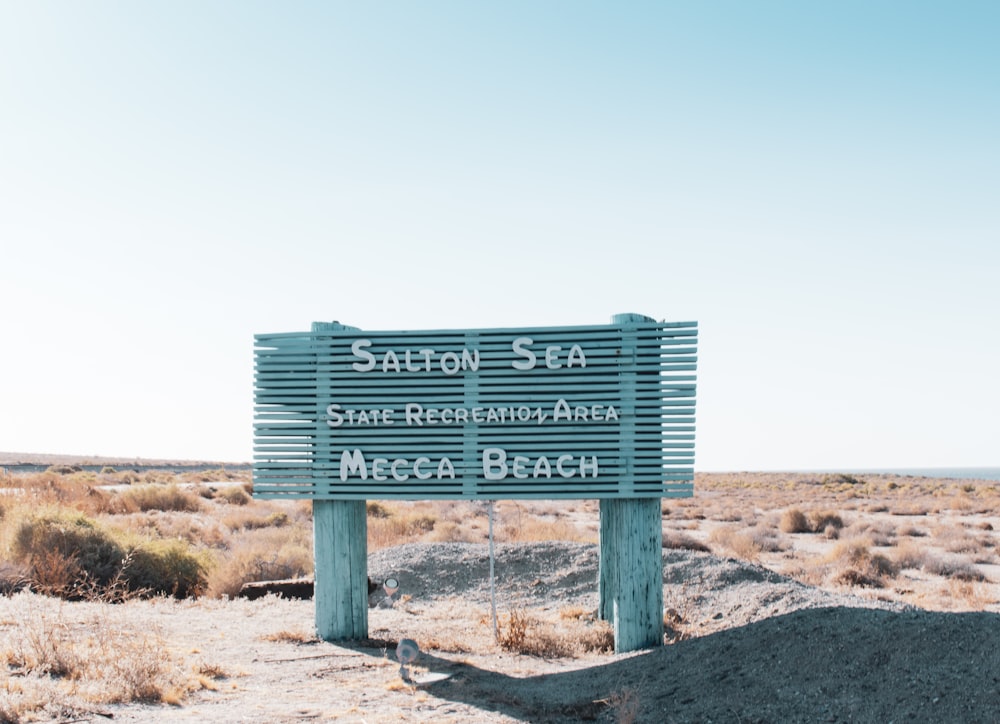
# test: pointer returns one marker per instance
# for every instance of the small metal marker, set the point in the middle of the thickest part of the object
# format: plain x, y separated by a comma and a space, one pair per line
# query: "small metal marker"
407, 652
390, 585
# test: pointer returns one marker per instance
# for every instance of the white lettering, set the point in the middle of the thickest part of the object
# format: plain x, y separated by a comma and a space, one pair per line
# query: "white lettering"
450, 363
377, 465
359, 348
494, 463
542, 468
561, 470
576, 355
561, 411
496, 467
353, 463
521, 350
414, 413
552, 357
396, 475
390, 361
332, 412
416, 469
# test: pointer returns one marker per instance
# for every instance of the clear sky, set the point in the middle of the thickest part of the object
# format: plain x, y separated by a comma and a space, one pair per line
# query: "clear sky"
815, 183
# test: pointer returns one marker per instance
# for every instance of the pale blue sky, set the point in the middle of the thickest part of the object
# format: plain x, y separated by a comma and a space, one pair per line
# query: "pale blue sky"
815, 183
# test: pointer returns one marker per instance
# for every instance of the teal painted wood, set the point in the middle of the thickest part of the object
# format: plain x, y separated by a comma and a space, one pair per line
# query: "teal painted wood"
340, 553
613, 404
630, 574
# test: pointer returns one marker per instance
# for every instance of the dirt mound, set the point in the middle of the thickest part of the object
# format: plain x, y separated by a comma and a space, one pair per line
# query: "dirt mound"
756, 647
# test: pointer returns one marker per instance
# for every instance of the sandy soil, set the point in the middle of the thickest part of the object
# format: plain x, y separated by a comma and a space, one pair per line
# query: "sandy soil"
759, 647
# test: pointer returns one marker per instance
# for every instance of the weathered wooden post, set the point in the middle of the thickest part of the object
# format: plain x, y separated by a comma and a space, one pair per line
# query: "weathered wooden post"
631, 557
340, 556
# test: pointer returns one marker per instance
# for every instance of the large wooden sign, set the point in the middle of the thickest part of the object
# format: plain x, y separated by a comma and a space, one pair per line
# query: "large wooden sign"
603, 411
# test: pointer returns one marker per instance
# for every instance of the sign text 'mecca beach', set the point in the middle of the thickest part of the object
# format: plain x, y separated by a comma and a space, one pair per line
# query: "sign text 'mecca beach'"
496, 463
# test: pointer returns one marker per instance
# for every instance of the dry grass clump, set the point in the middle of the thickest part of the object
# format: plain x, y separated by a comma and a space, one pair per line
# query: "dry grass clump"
747, 545
520, 632
54, 660
794, 520
856, 564
161, 497
233, 495
266, 554
393, 525
954, 567
674, 540
532, 530
292, 637
879, 533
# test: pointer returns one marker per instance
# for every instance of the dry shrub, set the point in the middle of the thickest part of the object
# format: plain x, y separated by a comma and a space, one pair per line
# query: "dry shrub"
910, 555
794, 520
747, 545
59, 548
399, 527
292, 637
598, 638
877, 533
534, 530
14, 577
71, 556
956, 541
233, 495
449, 532
89, 657
573, 613
198, 530
954, 567
820, 521
975, 595
679, 541
858, 566
162, 497
255, 518
267, 554
375, 509
522, 633
624, 704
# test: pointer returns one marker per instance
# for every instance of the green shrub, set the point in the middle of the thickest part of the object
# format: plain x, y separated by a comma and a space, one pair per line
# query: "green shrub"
70, 556
67, 540
170, 567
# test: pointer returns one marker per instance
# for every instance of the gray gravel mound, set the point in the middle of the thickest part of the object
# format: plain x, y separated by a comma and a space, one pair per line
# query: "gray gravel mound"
705, 591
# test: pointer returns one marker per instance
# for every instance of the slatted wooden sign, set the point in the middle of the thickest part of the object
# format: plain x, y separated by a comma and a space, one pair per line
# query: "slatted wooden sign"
604, 411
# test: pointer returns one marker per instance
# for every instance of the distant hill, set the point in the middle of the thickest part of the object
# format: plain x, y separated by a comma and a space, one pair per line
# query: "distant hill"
16, 458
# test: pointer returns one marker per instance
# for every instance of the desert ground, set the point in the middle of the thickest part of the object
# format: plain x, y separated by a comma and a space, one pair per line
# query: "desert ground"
787, 597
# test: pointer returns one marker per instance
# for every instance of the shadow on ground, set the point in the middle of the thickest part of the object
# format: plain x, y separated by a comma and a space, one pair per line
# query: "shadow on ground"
823, 665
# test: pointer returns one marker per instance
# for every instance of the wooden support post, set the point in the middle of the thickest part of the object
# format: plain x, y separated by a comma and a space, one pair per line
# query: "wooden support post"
340, 555
630, 585
340, 550
631, 565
